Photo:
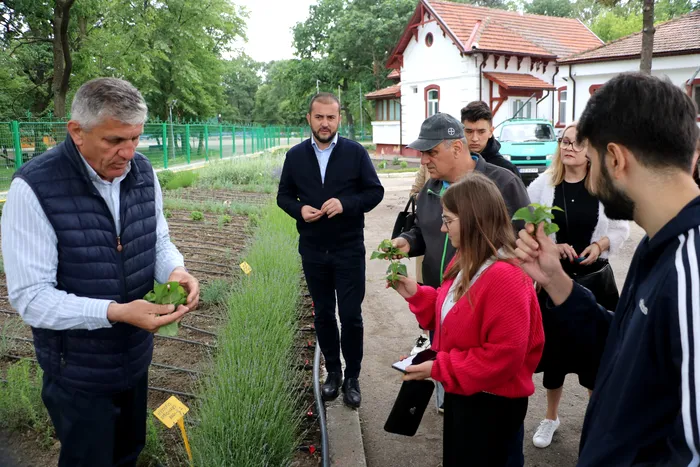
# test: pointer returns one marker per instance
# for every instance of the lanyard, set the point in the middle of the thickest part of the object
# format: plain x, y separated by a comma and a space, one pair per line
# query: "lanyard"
444, 250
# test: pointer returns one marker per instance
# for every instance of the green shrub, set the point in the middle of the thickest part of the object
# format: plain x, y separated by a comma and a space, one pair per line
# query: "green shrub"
395, 161
260, 170
249, 410
167, 213
217, 292
197, 216
21, 407
224, 219
382, 165
181, 180
404, 164
164, 177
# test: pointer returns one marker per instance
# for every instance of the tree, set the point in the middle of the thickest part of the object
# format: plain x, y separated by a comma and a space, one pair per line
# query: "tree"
561, 8
62, 61
501, 4
241, 81
648, 31
350, 41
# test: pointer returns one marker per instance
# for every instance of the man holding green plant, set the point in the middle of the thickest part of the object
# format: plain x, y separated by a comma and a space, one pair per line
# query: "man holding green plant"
328, 183
83, 238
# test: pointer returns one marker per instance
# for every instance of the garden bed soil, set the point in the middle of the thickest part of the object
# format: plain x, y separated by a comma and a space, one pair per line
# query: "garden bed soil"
211, 251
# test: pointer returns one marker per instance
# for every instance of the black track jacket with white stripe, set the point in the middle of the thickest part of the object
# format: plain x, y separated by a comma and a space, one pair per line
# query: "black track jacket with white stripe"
645, 408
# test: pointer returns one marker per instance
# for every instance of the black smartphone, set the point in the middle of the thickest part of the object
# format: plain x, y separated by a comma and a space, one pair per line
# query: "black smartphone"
421, 357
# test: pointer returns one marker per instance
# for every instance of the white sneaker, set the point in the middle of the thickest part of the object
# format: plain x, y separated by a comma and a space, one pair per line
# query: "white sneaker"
543, 435
422, 343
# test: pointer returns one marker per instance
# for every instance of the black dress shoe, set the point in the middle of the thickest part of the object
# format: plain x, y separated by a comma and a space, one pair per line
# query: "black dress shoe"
351, 393
330, 388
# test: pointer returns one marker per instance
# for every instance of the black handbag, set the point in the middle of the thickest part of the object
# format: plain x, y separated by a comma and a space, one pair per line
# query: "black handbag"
405, 219
601, 283
410, 405
602, 280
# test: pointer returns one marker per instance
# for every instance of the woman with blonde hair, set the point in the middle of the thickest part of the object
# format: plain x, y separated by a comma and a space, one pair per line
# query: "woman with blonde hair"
585, 240
488, 330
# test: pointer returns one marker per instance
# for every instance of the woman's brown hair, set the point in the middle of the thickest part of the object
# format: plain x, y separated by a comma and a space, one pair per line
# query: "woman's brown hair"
484, 226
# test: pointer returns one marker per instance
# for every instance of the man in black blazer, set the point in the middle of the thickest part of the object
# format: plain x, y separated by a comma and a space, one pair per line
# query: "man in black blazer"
327, 184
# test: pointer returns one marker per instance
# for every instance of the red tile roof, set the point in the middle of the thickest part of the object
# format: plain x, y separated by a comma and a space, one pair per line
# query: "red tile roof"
395, 74
479, 29
518, 81
679, 36
391, 91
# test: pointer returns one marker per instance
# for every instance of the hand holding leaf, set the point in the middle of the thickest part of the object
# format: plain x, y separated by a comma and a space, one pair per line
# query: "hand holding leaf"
387, 251
537, 214
170, 293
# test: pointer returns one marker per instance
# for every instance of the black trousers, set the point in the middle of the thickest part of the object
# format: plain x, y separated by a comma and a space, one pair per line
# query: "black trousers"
97, 430
342, 274
483, 430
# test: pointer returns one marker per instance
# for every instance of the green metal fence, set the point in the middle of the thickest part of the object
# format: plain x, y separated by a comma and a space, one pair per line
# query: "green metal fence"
165, 145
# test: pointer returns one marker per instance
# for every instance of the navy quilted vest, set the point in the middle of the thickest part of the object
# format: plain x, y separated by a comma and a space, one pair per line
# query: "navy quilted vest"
107, 360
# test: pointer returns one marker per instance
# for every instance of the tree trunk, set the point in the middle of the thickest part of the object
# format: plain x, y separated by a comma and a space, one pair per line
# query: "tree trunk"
348, 115
648, 31
62, 62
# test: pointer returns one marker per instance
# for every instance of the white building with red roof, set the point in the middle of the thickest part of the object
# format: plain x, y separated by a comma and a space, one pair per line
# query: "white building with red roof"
451, 54
676, 56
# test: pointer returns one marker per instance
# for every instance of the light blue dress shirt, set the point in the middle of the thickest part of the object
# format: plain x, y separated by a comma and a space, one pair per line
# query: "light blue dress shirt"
323, 155
30, 254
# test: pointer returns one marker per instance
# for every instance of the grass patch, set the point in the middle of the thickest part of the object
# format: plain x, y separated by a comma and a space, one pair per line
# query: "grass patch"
197, 216
250, 409
21, 407
264, 170
216, 292
216, 207
396, 171
153, 453
181, 180
165, 176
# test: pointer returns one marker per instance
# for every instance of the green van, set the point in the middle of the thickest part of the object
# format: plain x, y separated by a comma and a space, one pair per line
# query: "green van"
529, 144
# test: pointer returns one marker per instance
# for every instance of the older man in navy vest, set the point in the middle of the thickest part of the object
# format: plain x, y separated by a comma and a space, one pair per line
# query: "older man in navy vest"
83, 238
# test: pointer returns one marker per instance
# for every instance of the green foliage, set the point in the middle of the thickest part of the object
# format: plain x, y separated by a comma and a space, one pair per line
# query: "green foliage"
382, 165
170, 293
562, 8
223, 220
261, 170
21, 407
395, 161
197, 216
387, 251
216, 291
249, 407
164, 177
167, 213
216, 207
153, 453
404, 164
182, 180
536, 214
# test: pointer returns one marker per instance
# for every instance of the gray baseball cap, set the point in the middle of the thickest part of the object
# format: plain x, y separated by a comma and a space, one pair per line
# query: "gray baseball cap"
437, 129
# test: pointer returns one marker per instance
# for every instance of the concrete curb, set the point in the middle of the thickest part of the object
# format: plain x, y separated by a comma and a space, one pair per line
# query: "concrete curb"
344, 435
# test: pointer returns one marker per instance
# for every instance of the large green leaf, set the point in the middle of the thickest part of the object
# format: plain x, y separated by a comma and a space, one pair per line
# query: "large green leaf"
170, 293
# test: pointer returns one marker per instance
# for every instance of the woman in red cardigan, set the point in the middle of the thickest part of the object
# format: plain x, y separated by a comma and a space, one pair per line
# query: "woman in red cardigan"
488, 330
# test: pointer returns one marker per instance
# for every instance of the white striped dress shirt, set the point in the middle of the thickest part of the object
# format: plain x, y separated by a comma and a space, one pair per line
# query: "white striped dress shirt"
30, 254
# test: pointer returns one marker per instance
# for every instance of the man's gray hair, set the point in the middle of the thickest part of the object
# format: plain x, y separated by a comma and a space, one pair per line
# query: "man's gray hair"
103, 98
449, 142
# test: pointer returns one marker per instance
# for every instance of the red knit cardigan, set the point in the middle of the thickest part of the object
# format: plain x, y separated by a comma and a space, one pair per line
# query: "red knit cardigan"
492, 344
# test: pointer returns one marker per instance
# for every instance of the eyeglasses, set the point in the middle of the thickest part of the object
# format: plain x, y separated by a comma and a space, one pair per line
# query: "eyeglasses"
566, 142
447, 220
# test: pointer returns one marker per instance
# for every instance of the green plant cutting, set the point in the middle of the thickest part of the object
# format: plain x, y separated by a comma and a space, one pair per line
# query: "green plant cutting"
536, 214
170, 293
386, 250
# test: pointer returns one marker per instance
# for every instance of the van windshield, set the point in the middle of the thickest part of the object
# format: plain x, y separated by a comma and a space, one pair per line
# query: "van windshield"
527, 132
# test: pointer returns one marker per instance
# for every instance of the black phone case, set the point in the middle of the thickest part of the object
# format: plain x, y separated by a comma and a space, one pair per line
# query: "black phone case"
410, 405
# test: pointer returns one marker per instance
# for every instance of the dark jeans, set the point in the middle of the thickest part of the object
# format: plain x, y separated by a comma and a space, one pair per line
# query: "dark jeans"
341, 273
483, 430
97, 430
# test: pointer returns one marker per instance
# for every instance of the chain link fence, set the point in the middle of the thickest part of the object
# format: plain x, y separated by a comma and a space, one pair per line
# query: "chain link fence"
166, 145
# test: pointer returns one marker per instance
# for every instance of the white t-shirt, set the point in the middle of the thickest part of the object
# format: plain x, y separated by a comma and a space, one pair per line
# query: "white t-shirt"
450, 298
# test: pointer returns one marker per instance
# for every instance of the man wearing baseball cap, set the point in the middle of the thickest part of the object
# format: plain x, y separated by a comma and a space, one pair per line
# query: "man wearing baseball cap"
445, 153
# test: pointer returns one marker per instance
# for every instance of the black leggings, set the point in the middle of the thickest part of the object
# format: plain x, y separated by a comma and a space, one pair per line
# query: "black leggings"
483, 430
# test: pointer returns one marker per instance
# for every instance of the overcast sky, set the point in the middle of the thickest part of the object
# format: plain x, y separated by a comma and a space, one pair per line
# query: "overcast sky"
269, 27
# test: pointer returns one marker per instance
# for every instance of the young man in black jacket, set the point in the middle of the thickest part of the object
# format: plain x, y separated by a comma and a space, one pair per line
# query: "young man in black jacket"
328, 183
478, 128
641, 134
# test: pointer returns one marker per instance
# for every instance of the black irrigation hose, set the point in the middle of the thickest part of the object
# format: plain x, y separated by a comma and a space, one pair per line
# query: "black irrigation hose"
320, 408
157, 365
204, 315
187, 326
9, 312
186, 341
172, 391
23, 339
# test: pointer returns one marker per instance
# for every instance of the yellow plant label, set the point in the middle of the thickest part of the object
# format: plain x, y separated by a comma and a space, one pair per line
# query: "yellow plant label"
246, 268
171, 411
